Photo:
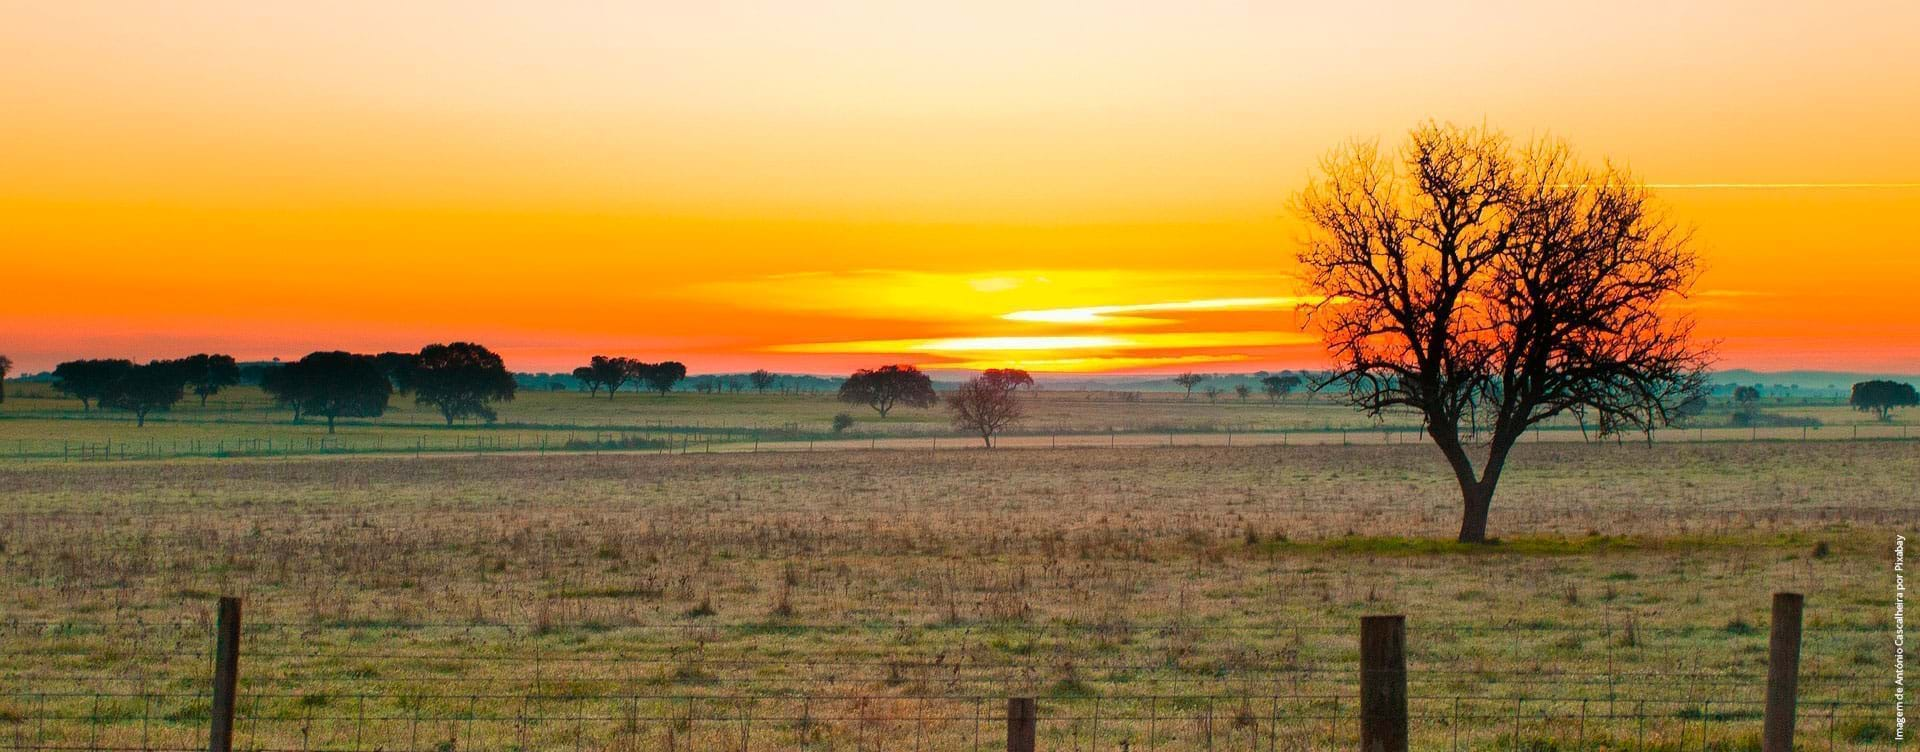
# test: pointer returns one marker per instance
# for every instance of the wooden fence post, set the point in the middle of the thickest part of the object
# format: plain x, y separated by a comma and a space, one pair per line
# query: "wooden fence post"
1783, 673
226, 675
1022, 718
1383, 683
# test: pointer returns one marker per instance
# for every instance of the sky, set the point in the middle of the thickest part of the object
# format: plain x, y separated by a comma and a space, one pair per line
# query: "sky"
821, 186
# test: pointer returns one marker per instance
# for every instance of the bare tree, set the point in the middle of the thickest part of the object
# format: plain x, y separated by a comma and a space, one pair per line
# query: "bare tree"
762, 379
988, 404
1488, 288
1189, 380
6, 366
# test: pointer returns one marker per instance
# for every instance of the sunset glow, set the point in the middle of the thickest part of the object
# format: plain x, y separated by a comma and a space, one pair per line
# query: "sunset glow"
820, 187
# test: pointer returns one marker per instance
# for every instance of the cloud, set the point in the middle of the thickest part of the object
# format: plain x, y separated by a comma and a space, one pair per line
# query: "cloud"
988, 296
1114, 314
1052, 343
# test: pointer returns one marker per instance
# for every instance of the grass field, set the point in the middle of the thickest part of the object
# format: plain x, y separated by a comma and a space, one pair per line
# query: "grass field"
1164, 598
36, 423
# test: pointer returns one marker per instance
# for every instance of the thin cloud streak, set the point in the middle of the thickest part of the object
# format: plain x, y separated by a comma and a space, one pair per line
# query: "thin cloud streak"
1113, 314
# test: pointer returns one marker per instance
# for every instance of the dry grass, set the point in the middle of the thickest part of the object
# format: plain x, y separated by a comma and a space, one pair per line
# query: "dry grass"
1088, 576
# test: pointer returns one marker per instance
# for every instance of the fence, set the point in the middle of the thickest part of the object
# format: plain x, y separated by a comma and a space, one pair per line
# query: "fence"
717, 440
394, 686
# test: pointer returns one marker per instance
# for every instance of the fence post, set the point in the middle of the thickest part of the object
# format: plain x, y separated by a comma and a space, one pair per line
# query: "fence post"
226, 675
1022, 717
1783, 672
1383, 683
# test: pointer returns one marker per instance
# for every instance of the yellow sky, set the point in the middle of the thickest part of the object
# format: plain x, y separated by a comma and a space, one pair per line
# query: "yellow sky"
817, 186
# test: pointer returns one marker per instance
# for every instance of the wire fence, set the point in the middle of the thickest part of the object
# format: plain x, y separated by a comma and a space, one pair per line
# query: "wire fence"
733, 440
106, 684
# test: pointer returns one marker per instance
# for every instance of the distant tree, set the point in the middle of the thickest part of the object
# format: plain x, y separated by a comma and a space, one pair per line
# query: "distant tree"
341, 385
1746, 400
288, 385
612, 372
1489, 288
987, 405
6, 366
761, 380
842, 422
1242, 391
462, 380
144, 389
882, 388
661, 377
1881, 397
588, 379
734, 386
1007, 378
207, 374
88, 380
1213, 393
398, 368
1278, 387
1189, 380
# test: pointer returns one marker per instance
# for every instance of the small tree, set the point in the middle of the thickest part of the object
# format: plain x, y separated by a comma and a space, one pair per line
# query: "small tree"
882, 388
1189, 380
143, 389
6, 367
1490, 288
88, 380
288, 386
588, 379
1881, 397
1213, 393
611, 372
340, 385
762, 379
1242, 391
1746, 400
988, 404
660, 377
398, 368
462, 380
842, 422
1278, 387
208, 374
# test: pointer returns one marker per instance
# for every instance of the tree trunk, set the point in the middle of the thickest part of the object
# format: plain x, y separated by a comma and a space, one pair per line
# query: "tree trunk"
1478, 499
329, 425
139, 419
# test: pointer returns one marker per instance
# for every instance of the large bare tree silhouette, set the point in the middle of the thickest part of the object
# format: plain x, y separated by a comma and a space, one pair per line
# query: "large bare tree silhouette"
1489, 287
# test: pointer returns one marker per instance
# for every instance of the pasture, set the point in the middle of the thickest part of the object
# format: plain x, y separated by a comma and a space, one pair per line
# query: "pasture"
1153, 597
37, 423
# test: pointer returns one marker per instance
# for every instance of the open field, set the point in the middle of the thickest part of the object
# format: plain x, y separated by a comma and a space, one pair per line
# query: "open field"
35, 423
1164, 598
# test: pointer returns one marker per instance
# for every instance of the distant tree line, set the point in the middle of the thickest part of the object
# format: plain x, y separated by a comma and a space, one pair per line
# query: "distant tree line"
609, 373
461, 380
144, 388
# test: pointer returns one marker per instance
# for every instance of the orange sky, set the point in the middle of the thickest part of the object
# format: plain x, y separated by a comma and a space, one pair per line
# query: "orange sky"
818, 186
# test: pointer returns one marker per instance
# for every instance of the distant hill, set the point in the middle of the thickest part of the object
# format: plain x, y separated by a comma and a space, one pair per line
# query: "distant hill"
1816, 381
